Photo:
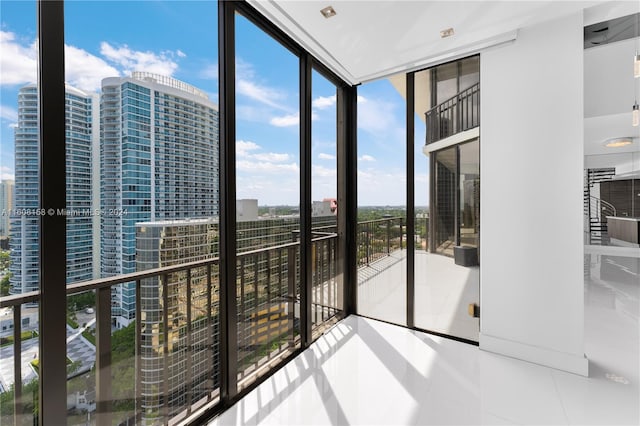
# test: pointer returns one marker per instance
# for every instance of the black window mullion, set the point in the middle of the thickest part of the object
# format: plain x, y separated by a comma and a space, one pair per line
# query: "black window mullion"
228, 309
347, 194
305, 201
411, 223
52, 259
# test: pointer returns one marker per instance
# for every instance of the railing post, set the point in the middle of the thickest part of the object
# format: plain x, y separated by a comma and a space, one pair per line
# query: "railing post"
17, 365
165, 348
138, 349
210, 382
103, 356
189, 344
291, 292
368, 237
388, 236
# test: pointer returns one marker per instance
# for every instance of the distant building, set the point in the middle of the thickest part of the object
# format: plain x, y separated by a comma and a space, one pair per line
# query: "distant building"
159, 161
321, 208
25, 239
174, 242
169, 243
6, 205
246, 210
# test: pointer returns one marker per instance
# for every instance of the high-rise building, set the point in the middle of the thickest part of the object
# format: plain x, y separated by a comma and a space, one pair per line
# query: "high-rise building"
6, 205
80, 142
175, 242
168, 243
159, 161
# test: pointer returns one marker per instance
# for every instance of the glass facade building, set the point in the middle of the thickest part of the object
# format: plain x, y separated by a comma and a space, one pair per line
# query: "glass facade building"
80, 128
6, 205
159, 160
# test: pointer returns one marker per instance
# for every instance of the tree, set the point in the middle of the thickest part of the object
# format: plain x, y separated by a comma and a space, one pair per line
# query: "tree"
5, 259
5, 285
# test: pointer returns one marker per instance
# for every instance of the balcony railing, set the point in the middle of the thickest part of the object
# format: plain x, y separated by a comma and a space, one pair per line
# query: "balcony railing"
379, 238
457, 114
175, 368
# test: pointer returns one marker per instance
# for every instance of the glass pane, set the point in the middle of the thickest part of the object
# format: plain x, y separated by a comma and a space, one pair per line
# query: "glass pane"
469, 211
381, 239
19, 219
268, 200
447, 274
446, 81
469, 72
327, 284
445, 185
142, 193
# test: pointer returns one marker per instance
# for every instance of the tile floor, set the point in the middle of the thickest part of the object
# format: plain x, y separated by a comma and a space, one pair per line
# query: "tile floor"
373, 373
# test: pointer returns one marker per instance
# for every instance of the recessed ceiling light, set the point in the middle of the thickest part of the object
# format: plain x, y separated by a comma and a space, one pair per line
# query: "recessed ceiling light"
328, 12
446, 33
618, 142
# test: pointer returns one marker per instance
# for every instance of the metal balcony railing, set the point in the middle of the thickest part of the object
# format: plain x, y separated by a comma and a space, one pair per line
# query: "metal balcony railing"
457, 114
379, 238
176, 366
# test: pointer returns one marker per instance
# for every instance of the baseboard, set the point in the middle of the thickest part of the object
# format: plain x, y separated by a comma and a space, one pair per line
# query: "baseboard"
549, 358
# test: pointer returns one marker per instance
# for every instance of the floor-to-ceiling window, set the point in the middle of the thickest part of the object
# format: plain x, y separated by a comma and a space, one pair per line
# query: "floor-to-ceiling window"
447, 184
142, 153
327, 288
267, 198
142, 193
19, 211
382, 203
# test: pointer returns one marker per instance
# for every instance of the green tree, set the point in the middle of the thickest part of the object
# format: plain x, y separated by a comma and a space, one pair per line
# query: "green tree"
29, 402
5, 259
4, 285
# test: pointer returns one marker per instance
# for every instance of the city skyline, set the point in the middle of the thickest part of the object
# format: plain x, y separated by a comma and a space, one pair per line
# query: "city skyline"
267, 104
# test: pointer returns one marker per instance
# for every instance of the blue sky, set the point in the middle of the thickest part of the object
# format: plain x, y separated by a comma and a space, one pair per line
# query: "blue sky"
179, 38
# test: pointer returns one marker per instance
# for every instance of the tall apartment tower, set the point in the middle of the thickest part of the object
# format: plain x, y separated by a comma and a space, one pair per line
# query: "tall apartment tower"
159, 161
80, 142
6, 205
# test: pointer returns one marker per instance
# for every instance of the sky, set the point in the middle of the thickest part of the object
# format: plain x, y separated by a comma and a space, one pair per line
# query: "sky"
179, 39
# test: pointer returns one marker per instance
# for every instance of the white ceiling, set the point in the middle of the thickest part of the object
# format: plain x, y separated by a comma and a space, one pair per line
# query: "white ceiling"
372, 39
367, 40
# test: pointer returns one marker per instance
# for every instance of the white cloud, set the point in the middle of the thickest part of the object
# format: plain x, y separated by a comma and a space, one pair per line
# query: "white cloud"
366, 157
6, 173
248, 85
324, 156
8, 113
323, 102
18, 61
243, 148
264, 166
134, 60
86, 71
376, 116
322, 172
272, 157
262, 94
286, 120
209, 72
83, 69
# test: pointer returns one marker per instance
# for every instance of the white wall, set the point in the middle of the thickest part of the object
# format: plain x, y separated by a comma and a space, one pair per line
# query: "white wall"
531, 138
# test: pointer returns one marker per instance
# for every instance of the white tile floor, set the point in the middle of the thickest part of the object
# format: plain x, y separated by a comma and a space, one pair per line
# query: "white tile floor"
372, 373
